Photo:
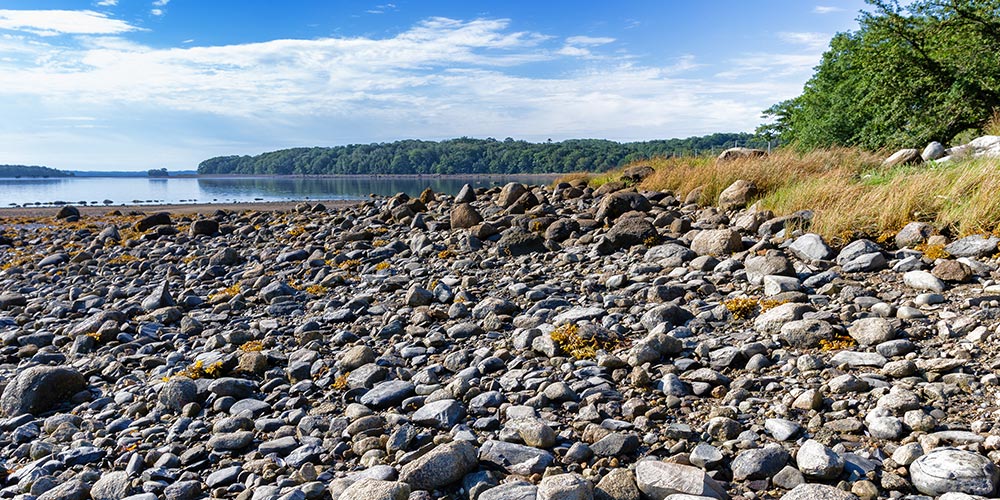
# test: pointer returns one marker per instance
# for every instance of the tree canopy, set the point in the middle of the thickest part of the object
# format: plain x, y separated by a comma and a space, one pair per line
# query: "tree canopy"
465, 156
910, 74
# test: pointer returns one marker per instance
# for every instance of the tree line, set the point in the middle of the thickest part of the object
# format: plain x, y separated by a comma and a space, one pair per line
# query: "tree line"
467, 156
30, 171
927, 70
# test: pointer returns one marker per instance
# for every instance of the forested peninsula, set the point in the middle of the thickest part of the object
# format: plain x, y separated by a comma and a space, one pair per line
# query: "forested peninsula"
30, 171
467, 156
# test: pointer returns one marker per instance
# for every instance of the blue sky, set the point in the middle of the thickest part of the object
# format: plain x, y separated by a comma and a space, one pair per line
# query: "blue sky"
137, 84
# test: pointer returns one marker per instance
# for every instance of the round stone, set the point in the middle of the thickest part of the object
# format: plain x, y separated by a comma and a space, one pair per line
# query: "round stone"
947, 470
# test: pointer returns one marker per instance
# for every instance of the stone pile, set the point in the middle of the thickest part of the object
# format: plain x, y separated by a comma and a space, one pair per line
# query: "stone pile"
524, 342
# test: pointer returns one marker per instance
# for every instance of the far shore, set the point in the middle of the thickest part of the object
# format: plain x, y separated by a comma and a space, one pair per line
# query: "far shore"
141, 175
173, 209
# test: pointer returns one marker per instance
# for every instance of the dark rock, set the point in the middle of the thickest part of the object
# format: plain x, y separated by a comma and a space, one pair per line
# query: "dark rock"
38, 389
464, 216
204, 227
614, 205
151, 221
516, 242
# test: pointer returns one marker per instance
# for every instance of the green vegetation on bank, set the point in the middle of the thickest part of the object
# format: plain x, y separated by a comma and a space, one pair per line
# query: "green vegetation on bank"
466, 156
30, 171
926, 71
849, 191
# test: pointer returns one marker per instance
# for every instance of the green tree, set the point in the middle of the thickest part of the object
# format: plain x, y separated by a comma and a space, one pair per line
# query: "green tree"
910, 74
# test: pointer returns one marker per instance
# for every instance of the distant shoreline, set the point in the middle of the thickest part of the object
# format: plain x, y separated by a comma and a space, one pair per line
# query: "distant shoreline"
118, 175
171, 208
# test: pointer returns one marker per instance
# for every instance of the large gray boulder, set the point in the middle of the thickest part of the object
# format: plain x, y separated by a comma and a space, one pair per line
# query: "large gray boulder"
737, 195
741, 153
39, 389
444, 465
615, 204
660, 479
932, 151
717, 242
945, 470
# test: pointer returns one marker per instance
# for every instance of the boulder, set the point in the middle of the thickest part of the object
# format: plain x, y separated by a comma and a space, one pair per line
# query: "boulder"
615, 204
516, 242
659, 479
717, 242
932, 151
206, 227
741, 153
977, 245
68, 211
812, 491
632, 231
39, 389
946, 470
903, 157
464, 216
912, 234
510, 194
737, 195
810, 247
636, 174
151, 221
466, 194
444, 465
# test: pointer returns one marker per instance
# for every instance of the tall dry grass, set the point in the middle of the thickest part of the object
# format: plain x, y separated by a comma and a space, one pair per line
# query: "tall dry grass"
849, 191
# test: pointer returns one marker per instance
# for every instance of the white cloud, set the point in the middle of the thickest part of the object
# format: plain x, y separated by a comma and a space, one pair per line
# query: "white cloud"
811, 40
156, 12
440, 78
57, 22
826, 9
382, 9
160, 3
589, 40
107, 3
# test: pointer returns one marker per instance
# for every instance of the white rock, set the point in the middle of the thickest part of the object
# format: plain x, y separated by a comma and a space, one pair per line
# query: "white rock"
952, 470
659, 479
773, 285
818, 461
923, 280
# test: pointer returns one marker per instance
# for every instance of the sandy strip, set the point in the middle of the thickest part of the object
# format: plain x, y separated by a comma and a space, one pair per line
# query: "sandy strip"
178, 209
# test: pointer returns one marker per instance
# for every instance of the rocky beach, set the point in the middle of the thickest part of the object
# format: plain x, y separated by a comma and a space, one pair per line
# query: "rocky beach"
524, 342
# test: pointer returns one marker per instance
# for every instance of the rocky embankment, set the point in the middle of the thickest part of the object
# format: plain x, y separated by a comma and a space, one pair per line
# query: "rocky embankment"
523, 343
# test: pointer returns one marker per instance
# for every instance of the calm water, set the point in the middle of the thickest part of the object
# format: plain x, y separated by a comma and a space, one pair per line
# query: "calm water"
141, 190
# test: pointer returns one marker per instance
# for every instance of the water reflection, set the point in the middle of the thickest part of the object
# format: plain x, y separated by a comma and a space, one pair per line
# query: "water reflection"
140, 190
343, 187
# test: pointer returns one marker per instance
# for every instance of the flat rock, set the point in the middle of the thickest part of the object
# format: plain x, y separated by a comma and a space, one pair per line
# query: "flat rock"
386, 394
659, 479
515, 458
443, 414
977, 245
